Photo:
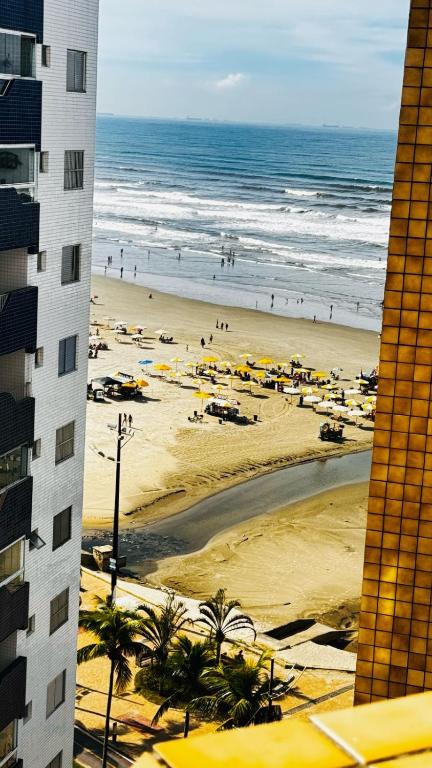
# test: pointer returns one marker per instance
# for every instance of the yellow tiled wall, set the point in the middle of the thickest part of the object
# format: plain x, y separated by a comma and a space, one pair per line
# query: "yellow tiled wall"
395, 636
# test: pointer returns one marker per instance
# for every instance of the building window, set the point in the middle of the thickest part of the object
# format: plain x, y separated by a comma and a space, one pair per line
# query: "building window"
12, 564
28, 712
71, 264
56, 693
74, 169
36, 449
31, 625
65, 439
41, 261
39, 357
62, 528
59, 611
46, 56
67, 356
44, 162
13, 466
17, 55
8, 743
57, 762
76, 71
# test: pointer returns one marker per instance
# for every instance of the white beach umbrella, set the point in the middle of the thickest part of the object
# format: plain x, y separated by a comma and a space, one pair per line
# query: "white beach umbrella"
338, 410
312, 399
292, 391
356, 413
350, 392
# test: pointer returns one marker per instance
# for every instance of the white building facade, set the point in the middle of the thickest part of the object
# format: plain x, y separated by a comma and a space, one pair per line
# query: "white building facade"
48, 67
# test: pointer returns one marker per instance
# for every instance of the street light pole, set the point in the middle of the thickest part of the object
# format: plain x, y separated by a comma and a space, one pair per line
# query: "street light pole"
115, 539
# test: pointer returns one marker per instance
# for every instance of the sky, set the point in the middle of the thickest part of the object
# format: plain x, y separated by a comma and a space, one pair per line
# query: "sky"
273, 61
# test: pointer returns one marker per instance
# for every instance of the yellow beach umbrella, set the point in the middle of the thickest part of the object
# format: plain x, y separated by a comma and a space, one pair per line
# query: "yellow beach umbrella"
282, 379
371, 399
259, 374
297, 356
210, 359
162, 367
352, 403
330, 386
308, 390
321, 375
245, 355
284, 365
266, 361
142, 383
331, 396
202, 396
244, 369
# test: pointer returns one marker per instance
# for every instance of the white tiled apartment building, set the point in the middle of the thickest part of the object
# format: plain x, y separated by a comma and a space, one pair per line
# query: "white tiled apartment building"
48, 69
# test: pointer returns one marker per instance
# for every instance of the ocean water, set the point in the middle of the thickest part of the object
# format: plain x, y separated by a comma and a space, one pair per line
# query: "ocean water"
304, 211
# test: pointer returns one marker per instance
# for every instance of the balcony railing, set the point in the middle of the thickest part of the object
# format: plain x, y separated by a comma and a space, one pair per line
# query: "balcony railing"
14, 608
21, 113
16, 421
16, 512
12, 691
23, 16
19, 221
18, 320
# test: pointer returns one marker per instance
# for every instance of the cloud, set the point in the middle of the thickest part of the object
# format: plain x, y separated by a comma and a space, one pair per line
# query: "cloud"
234, 80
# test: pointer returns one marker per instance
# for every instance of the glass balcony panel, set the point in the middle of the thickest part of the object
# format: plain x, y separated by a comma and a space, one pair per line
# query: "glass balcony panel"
17, 55
17, 166
8, 744
13, 467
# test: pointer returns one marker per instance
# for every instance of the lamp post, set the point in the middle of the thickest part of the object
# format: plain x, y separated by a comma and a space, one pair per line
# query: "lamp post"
123, 437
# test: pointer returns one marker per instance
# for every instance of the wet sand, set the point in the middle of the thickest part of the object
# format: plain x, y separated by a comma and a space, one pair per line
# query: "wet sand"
304, 561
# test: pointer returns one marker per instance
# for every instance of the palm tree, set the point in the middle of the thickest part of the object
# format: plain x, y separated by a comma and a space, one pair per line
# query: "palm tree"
222, 618
160, 628
115, 632
238, 693
186, 664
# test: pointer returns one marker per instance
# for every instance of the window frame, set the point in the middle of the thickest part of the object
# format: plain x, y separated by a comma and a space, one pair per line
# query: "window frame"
60, 678
46, 56
62, 541
39, 353
57, 761
75, 262
82, 88
59, 615
64, 442
63, 357
74, 175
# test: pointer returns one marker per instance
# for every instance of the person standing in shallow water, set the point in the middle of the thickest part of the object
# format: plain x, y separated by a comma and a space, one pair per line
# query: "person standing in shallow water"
121, 273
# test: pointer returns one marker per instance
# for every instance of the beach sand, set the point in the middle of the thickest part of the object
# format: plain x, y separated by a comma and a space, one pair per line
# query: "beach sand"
171, 463
304, 561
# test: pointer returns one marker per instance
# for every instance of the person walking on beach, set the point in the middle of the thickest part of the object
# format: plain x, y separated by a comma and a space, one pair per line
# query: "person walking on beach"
217, 324
222, 262
211, 338
314, 320
135, 271
124, 422
358, 306
121, 273
105, 269
226, 326
130, 421
121, 253
222, 326
202, 342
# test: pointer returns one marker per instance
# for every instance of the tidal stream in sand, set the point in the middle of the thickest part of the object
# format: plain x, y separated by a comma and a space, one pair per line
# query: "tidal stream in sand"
191, 530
